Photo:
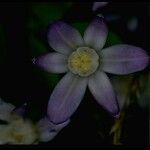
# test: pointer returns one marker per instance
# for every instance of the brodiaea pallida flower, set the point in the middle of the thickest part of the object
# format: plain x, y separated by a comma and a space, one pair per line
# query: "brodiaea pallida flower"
86, 62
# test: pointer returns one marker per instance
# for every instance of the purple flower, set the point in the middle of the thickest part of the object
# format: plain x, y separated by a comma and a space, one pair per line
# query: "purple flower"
86, 62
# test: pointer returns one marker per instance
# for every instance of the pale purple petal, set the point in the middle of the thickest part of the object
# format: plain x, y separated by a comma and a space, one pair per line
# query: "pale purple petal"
123, 59
66, 97
52, 62
97, 5
48, 130
96, 34
103, 92
63, 38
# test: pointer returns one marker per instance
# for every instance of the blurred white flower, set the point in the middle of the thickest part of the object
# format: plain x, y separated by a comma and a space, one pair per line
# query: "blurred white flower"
5, 110
17, 130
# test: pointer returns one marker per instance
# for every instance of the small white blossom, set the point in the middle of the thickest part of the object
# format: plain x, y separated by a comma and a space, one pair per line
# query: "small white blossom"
17, 130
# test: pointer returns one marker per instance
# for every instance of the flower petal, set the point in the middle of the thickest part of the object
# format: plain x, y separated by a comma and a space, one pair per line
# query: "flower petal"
49, 130
96, 34
64, 38
123, 59
66, 97
52, 62
19, 131
102, 90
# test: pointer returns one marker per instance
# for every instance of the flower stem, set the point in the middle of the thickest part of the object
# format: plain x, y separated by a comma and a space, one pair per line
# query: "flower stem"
117, 129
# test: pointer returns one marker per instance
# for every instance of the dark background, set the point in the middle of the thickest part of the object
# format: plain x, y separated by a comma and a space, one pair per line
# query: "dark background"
20, 83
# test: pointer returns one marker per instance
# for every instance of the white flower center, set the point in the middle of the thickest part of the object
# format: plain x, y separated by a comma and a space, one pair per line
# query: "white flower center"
84, 61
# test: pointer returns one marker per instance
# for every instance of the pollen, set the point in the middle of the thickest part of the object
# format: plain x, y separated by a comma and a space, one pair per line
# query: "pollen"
84, 61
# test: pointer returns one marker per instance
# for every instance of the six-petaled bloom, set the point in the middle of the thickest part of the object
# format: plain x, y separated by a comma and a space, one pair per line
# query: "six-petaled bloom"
86, 62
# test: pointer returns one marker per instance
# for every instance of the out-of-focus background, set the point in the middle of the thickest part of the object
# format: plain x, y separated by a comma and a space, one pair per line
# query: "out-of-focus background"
23, 36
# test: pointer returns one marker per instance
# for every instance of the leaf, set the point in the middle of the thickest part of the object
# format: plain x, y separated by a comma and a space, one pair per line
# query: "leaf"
37, 47
44, 13
112, 39
80, 26
51, 79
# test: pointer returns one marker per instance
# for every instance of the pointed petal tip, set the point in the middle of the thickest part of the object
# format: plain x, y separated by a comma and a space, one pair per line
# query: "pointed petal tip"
52, 62
33, 60
117, 115
117, 112
48, 130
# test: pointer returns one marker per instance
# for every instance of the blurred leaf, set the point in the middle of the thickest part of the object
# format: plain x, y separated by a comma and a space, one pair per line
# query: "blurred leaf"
51, 79
37, 47
121, 86
144, 98
80, 26
44, 13
112, 39
33, 25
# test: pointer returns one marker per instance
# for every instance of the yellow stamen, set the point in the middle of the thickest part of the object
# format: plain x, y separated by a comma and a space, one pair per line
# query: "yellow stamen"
84, 61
